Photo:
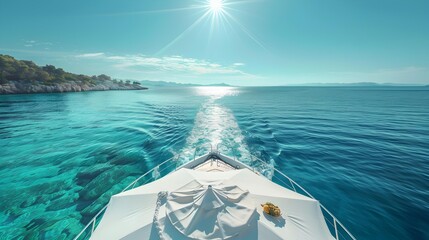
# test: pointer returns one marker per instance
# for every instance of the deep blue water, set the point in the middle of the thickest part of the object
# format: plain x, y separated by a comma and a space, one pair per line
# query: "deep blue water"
363, 152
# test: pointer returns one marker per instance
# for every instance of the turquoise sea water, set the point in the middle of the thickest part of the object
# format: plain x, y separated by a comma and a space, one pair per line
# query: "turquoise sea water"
363, 152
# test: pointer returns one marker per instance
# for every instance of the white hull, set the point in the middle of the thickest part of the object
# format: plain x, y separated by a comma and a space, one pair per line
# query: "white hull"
140, 212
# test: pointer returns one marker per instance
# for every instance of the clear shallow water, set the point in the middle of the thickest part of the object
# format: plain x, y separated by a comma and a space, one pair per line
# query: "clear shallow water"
363, 152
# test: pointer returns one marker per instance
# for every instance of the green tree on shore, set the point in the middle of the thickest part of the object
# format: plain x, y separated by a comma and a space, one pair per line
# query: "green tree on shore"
27, 71
2, 78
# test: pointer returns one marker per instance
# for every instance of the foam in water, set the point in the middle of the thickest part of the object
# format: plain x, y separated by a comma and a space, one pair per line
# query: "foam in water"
216, 127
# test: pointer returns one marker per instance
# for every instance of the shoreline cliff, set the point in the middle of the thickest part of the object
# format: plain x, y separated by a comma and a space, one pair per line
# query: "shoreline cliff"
16, 87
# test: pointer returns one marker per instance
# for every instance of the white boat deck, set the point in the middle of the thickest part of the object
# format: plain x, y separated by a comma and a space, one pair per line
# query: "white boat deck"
215, 185
214, 165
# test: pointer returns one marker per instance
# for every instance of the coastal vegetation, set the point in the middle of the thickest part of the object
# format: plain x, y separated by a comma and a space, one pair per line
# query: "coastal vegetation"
22, 76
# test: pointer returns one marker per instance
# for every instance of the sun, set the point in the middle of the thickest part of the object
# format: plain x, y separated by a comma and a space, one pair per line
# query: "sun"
219, 16
216, 5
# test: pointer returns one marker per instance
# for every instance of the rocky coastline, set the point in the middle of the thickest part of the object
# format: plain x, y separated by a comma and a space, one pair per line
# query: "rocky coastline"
17, 87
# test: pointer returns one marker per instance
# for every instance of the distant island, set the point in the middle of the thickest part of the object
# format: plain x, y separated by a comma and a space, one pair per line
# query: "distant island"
21, 76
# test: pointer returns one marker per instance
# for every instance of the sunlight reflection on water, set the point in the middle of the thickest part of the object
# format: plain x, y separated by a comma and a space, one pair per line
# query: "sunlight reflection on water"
216, 92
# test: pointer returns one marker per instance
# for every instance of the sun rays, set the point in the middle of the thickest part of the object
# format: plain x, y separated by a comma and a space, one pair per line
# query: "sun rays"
216, 5
217, 12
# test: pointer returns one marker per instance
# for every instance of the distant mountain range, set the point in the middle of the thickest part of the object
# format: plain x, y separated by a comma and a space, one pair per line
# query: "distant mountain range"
357, 84
150, 83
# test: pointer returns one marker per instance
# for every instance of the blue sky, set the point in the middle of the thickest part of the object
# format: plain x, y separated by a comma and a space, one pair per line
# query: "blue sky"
248, 42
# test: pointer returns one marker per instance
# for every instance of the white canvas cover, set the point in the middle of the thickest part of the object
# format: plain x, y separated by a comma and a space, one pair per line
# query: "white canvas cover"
130, 214
210, 212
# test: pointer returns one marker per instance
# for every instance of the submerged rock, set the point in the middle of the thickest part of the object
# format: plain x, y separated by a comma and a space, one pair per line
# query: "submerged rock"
29, 201
65, 201
40, 228
90, 173
89, 211
102, 183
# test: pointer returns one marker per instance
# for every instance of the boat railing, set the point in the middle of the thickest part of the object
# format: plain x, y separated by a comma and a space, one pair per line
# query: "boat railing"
339, 231
161, 169
260, 166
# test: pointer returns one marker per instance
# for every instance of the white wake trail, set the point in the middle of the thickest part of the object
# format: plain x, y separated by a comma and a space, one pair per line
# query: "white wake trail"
215, 125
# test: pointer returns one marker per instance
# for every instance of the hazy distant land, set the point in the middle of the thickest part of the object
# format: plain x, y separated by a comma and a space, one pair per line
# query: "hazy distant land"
355, 84
21, 76
152, 83
175, 84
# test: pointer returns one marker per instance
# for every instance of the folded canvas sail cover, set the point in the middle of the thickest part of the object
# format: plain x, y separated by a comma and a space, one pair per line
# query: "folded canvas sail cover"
210, 212
229, 209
